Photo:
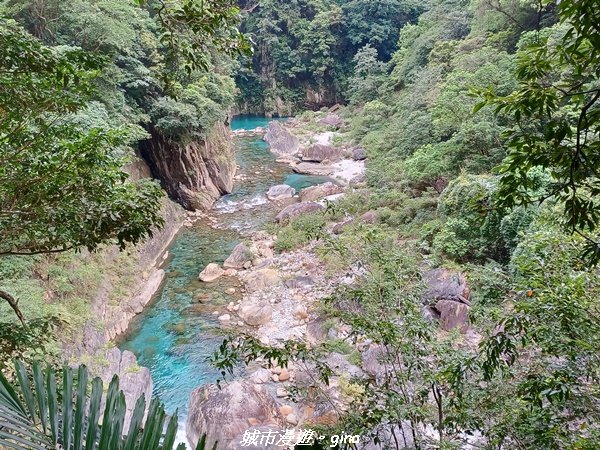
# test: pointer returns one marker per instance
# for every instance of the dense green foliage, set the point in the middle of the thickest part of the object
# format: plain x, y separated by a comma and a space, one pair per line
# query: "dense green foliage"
40, 412
304, 49
81, 84
482, 142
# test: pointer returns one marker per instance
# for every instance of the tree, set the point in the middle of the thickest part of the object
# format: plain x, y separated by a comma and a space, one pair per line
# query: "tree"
556, 111
39, 413
62, 186
369, 76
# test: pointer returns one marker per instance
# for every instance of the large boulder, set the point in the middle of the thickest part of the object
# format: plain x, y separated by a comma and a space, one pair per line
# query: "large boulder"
453, 315
320, 153
332, 120
448, 294
280, 192
261, 279
239, 258
311, 168
291, 212
211, 273
313, 193
255, 313
444, 284
281, 142
224, 414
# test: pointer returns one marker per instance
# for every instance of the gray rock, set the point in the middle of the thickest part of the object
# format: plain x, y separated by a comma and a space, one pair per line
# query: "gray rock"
134, 380
211, 273
308, 168
299, 282
291, 212
332, 120
341, 366
320, 153
444, 284
239, 258
453, 315
359, 154
281, 142
313, 193
260, 376
338, 228
371, 361
224, 414
315, 331
255, 313
261, 279
369, 217
280, 192
195, 174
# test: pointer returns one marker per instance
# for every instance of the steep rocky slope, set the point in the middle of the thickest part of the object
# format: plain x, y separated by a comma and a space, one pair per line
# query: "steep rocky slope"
195, 174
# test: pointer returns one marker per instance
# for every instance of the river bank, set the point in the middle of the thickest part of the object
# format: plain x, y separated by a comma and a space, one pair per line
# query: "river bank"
179, 329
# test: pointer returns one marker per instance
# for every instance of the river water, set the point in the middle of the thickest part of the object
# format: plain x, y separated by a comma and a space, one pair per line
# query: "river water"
176, 333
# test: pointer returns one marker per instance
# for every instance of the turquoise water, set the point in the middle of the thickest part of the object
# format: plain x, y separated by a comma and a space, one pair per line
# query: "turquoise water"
248, 122
176, 334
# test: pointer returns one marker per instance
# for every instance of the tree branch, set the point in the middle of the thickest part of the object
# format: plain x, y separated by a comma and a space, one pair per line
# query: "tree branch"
14, 304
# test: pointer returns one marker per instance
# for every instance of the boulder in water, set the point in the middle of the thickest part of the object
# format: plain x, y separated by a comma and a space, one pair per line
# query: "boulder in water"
211, 273
311, 168
239, 258
280, 192
224, 414
281, 142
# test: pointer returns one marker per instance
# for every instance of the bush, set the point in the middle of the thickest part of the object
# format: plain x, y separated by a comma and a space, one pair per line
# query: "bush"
302, 230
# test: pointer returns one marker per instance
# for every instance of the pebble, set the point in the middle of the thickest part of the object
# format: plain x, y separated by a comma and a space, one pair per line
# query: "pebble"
225, 318
275, 378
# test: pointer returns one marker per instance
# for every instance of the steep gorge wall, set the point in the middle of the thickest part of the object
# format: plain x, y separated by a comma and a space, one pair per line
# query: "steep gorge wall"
195, 174
129, 282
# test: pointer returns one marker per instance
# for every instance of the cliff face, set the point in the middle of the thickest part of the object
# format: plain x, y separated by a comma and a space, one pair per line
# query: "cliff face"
197, 174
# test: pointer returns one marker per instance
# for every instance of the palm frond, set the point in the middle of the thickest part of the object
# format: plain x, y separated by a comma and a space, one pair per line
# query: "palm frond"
36, 415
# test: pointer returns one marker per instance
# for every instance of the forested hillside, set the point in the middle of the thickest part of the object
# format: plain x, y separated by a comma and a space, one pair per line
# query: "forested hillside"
304, 49
409, 261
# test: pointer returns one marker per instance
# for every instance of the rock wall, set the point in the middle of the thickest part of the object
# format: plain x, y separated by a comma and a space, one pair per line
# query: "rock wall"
112, 312
196, 174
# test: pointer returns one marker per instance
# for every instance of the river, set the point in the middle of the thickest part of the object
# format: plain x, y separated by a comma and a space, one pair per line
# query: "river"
176, 334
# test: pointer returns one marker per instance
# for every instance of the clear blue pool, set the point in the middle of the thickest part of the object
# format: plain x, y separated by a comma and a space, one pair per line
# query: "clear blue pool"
176, 334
